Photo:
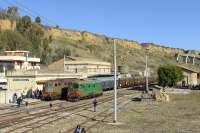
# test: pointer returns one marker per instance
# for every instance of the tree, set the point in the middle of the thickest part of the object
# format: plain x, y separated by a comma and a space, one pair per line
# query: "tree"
38, 20
23, 24
169, 74
50, 39
12, 13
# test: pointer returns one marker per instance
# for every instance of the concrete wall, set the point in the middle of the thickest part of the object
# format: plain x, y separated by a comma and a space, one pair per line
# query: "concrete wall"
6, 95
18, 83
190, 77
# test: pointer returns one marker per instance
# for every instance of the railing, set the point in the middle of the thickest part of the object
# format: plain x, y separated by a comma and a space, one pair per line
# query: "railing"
27, 67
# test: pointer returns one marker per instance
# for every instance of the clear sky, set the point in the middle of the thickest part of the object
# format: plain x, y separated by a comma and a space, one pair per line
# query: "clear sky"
170, 23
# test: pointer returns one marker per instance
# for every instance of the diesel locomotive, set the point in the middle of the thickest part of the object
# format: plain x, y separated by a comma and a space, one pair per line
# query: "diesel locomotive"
56, 89
84, 88
75, 89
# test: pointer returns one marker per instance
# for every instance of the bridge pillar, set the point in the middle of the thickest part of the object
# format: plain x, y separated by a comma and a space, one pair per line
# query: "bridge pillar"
185, 59
198, 60
176, 57
192, 60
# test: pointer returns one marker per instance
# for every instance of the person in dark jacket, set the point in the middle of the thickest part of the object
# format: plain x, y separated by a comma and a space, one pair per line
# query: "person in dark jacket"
95, 105
50, 105
83, 130
19, 100
26, 104
77, 130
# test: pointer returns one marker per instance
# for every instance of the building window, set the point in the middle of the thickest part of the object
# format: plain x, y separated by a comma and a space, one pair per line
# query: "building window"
33, 64
76, 70
19, 63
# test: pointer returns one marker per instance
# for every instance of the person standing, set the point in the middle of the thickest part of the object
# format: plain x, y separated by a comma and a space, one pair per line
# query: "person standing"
95, 105
77, 130
26, 104
50, 105
83, 130
19, 100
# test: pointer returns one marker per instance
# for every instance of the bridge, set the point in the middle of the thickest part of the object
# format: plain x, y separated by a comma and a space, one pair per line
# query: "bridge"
186, 56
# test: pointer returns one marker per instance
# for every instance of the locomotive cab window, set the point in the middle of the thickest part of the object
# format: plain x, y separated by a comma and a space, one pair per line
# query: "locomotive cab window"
48, 85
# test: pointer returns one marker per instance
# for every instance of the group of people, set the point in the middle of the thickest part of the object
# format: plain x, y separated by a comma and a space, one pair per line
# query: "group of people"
35, 94
79, 130
188, 86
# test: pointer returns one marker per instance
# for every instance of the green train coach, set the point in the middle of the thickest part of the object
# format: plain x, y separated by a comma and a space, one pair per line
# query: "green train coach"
83, 89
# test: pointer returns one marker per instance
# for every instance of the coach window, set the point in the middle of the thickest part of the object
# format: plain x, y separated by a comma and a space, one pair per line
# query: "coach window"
89, 86
93, 85
55, 84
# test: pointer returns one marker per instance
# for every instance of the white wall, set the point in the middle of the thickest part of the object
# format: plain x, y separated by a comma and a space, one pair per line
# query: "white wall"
5, 95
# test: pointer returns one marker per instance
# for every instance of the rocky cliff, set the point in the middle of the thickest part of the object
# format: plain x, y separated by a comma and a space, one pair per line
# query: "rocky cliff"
99, 39
7, 24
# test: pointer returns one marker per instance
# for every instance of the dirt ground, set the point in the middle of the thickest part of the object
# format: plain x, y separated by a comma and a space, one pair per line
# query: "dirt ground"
180, 115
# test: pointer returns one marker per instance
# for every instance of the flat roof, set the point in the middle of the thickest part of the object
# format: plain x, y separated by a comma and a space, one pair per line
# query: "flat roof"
16, 51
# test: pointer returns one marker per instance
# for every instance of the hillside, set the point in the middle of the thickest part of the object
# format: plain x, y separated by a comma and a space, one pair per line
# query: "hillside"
89, 45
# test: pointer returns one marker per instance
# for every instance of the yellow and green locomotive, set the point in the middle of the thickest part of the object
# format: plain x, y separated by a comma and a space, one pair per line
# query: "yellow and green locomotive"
55, 89
83, 89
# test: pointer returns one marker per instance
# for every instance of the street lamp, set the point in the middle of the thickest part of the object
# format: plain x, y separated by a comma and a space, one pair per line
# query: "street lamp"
147, 49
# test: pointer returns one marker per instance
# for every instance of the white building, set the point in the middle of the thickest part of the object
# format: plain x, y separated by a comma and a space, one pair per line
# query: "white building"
14, 60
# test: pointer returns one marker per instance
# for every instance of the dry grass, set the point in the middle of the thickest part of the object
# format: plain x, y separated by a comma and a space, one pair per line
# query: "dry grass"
181, 114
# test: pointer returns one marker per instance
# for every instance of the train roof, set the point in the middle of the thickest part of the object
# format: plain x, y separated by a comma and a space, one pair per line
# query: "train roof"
58, 80
86, 80
101, 75
105, 78
137, 77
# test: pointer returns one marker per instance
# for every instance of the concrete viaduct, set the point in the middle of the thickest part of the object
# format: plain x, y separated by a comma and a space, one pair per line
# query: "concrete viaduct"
186, 56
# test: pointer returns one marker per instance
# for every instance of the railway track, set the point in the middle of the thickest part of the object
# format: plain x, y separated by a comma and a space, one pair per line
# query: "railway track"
39, 119
101, 116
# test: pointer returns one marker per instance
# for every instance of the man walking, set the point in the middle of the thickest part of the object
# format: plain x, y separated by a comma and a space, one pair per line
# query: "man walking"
95, 105
19, 100
26, 104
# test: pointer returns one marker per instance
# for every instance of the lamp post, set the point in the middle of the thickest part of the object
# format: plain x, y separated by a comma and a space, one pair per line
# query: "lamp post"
147, 89
115, 85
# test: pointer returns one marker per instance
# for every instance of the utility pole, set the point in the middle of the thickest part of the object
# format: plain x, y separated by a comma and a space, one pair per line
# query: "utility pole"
64, 66
115, 87
147, 89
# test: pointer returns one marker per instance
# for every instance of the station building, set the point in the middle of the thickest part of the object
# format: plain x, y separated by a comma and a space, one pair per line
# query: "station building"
190, 76
26, 73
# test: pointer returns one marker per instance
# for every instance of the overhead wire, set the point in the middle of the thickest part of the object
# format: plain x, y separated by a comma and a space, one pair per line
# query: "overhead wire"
30, 14
34, 12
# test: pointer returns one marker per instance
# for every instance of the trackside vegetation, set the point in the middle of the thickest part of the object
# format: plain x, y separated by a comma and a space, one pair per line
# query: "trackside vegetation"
169, 74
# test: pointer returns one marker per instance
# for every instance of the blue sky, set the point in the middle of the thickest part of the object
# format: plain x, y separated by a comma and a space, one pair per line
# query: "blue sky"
169, 23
